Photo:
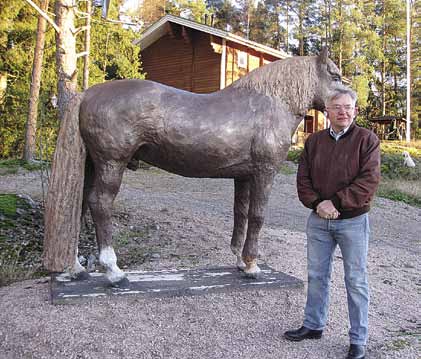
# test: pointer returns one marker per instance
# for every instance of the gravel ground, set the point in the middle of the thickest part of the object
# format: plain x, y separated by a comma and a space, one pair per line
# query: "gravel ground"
188, 224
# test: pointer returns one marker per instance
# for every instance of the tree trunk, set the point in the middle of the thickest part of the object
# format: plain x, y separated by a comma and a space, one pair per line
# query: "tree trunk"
63, 207
341, 25
87, 45
31, 122
287, 27
328, 25
65, 194
383, 69
65, 53
301, 30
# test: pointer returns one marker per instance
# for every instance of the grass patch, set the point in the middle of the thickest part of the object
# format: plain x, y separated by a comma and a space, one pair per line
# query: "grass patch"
8, 204
20, 240
287, 170
8, 167
400, 183
12, 270
401, 191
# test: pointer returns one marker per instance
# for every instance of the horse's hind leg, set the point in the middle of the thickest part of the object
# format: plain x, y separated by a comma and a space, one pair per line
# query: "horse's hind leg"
107, 181
241, 208
260, 188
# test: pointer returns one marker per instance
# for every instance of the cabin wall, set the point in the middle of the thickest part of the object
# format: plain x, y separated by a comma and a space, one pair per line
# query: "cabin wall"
185, 60
237, 67
206, 65
169, 61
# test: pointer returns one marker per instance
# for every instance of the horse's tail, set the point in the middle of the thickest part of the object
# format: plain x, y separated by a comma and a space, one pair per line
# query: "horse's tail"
65, 193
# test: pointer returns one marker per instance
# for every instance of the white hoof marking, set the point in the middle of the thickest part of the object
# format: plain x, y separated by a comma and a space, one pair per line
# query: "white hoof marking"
108, 259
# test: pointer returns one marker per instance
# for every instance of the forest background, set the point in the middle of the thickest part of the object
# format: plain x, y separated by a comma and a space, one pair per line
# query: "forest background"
366, 38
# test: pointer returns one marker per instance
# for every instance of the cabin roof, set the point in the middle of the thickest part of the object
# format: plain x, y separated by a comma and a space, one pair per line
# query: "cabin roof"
159, 29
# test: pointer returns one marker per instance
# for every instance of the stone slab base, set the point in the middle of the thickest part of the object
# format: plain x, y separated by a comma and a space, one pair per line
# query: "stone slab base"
168, 283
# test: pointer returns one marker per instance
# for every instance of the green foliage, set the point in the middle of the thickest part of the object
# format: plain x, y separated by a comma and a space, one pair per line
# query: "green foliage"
194, 9
294, 155
8, 204
113, 56
17, 41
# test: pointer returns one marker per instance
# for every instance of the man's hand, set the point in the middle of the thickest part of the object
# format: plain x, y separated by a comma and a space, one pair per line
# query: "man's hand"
327, 210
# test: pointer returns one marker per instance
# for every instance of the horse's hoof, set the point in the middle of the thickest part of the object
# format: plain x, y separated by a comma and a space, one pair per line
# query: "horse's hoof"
252, 274
122, 283
116, 276
240, 264
83, 275
252, 270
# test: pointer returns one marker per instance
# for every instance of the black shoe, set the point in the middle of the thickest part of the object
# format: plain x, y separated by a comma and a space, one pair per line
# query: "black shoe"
356, 352
303, 333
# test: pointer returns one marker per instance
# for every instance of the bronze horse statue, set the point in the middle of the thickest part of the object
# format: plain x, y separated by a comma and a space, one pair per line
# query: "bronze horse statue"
241, 132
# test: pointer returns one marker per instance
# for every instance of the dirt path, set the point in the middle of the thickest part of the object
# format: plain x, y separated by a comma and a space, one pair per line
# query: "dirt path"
185, 223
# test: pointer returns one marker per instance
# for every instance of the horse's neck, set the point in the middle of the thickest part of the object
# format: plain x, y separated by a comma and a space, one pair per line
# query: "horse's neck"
291, 83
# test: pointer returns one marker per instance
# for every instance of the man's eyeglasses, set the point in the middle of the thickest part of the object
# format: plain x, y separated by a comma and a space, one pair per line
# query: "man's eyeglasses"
338, 108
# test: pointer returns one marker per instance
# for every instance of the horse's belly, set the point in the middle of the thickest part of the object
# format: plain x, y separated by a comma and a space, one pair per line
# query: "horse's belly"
195, 163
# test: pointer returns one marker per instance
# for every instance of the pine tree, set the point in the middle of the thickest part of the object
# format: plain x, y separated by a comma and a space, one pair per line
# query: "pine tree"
416, 68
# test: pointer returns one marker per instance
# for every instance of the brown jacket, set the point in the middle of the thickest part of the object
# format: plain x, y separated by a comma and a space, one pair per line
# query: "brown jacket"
347, 171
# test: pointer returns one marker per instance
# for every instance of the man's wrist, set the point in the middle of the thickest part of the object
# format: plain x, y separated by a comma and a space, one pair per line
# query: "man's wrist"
336, 201
316, 203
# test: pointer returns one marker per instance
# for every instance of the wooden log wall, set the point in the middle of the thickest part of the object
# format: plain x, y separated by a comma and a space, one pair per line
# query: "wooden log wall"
183, 59
206, 65
169, 61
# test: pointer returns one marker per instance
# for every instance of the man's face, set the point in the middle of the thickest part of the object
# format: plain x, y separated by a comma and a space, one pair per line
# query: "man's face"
341, 112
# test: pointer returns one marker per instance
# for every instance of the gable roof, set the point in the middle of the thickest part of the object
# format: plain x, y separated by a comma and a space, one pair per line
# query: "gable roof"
158, 29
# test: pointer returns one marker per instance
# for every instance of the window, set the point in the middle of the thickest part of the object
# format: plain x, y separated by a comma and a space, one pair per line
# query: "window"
242, 59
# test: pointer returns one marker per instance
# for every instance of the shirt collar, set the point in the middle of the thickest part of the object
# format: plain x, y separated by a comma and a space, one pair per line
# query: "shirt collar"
338, 135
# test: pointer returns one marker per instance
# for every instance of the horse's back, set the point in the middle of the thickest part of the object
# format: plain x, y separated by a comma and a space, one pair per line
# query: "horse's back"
191, 134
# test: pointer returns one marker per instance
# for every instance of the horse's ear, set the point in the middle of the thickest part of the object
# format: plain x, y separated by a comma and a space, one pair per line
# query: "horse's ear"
323, 55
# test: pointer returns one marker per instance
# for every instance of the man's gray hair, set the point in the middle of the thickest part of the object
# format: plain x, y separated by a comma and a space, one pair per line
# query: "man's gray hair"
340, 91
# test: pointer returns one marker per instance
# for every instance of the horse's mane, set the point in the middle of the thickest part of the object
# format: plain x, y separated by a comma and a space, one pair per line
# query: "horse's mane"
292, 80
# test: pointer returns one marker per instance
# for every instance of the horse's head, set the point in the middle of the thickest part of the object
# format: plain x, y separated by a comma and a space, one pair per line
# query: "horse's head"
328, 78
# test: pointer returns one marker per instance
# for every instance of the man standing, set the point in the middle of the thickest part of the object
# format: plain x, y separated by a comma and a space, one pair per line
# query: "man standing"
337, 177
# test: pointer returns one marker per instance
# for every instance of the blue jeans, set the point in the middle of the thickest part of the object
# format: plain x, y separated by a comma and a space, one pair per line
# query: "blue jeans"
322, 237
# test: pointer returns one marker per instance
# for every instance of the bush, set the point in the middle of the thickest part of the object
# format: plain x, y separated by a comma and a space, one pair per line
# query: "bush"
392, 167
392, 161
294, 154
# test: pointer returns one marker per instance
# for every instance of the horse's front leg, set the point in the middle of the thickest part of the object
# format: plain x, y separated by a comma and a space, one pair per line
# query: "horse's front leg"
101, 197
260, 187
241, 208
